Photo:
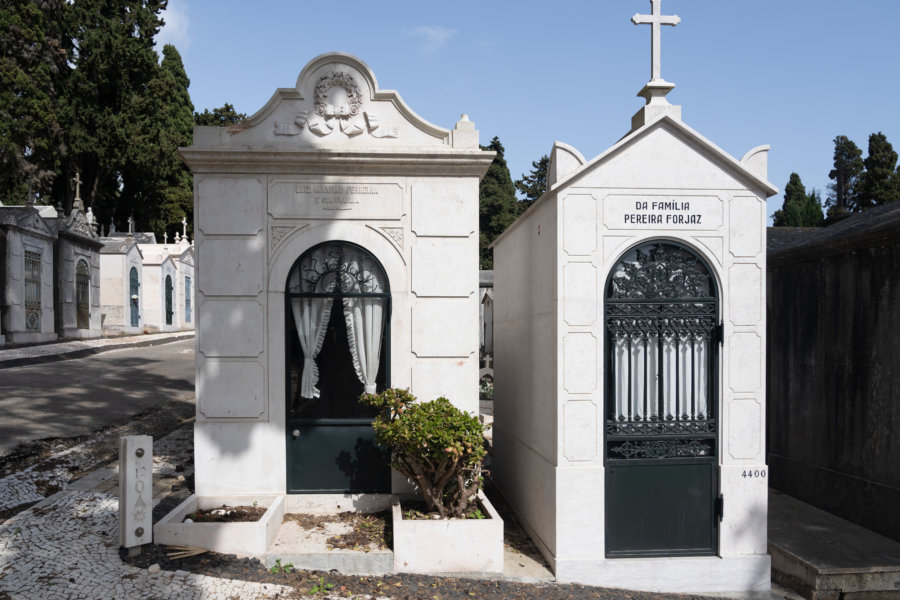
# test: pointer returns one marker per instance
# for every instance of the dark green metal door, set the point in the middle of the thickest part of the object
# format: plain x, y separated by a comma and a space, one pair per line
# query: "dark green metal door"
662, 475
169, 302
133, 298
338, 341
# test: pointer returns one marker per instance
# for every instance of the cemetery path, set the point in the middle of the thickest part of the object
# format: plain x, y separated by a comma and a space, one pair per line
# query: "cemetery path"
75, 397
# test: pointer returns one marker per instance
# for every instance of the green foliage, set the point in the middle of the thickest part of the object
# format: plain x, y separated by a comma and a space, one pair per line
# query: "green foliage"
223, 116
320, 586
279, 568
498, 207
848, 166
534, 184
880, 183
33, 53
436, 445
799, 209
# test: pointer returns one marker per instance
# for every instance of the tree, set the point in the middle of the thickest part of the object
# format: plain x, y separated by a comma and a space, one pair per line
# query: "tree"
114, 63
534, 184
498, 207
223, 116
880, 184
157, 180
799, 209
848, 166
33, 52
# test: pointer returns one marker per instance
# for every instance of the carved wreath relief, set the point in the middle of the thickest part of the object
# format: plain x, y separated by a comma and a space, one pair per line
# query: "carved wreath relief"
338, 104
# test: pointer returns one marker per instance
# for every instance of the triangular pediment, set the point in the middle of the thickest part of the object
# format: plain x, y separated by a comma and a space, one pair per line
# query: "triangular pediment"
27, 219
77, 224
666, 154
335, 103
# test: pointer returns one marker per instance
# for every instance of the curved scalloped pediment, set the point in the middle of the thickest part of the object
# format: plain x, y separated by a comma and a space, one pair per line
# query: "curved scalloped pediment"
336, 103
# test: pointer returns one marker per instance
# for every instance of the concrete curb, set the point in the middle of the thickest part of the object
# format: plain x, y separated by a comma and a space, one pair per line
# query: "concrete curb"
47, 353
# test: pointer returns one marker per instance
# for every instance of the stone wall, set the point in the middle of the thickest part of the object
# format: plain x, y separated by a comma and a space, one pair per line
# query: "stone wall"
834, 369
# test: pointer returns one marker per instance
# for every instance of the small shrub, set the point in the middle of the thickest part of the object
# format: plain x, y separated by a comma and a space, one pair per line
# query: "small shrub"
434, 444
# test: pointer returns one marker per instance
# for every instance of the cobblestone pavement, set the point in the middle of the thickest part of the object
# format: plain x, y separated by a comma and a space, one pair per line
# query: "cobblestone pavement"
66, 547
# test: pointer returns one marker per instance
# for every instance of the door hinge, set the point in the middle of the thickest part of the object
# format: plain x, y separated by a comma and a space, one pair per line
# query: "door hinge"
720, 507
720, 333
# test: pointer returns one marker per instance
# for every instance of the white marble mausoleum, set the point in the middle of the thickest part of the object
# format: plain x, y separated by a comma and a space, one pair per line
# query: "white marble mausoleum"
629, 324
336, 237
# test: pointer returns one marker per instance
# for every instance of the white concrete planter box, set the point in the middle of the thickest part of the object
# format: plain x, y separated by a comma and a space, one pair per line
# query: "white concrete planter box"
227, 538
449, 545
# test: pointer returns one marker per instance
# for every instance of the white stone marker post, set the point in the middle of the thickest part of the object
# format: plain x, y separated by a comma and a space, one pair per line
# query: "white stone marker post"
135, 491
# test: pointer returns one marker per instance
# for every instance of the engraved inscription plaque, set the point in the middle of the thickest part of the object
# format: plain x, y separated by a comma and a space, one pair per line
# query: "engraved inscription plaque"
310, 199
663, 212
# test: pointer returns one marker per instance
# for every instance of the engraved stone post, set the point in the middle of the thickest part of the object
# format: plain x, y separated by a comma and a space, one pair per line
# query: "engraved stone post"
135, 490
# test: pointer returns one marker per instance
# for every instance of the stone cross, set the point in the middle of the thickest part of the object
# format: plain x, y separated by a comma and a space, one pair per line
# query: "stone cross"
655, 20
77, 180
165, 237
184, 228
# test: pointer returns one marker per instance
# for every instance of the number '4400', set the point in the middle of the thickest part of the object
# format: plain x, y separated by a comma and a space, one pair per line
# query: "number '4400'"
754, 474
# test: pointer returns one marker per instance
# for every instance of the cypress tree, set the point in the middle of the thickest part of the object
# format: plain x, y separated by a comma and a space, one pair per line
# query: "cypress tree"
33, 53
799, 209
848, 166
497, 203
879, 184
532, 185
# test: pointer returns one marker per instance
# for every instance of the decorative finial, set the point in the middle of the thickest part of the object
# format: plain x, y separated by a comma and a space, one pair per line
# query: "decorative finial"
177, 238
112, 226
77, 203
131, 226
165, 237
655, 20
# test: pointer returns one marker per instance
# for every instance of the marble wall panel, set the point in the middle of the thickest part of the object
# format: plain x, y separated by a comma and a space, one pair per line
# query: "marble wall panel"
231, 328
230, 205
579, 225
441, 267
441, 327
231, 389
231, 267
579, 293
746, 226
745, 356
745, 292
442, 207
580, 430
579, 363
744, 428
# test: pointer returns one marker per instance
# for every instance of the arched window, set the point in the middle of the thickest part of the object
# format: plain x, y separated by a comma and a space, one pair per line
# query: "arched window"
338, 308
83, 294
662, 338
169, 301
134, 287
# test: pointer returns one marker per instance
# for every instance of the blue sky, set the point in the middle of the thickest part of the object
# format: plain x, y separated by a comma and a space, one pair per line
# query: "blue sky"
790, 73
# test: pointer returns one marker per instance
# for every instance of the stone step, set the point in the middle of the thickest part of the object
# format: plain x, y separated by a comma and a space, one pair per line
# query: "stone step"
825, 557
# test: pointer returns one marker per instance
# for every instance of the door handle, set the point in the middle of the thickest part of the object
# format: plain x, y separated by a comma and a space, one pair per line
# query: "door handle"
295, 433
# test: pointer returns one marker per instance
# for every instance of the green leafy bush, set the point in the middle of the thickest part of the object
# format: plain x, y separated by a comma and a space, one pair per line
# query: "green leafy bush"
436, 445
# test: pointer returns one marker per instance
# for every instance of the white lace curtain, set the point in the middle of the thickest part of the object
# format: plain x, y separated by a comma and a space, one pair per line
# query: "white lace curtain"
339, 268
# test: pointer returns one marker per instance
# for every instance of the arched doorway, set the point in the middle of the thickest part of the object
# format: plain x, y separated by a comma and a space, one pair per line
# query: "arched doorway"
337, 318
169, 302
83, 295
661, 405
134, 287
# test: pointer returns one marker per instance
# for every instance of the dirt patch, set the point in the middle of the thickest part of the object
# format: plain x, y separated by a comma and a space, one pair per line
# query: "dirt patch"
371, 531
416, 510
228, 514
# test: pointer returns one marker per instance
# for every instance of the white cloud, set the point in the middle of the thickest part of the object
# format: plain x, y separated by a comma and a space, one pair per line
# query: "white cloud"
176, 29
433, 38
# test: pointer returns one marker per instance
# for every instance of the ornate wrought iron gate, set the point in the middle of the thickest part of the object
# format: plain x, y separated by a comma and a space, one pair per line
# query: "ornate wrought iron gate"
661, 402
134, 287
169, 303
83, 295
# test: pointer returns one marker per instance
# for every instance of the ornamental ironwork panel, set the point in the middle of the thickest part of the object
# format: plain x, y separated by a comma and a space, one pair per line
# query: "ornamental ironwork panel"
32, 290
661, 327
337, 269
83, 295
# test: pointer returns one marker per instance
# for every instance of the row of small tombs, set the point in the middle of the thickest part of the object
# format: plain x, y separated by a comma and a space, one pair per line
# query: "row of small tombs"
61, 279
